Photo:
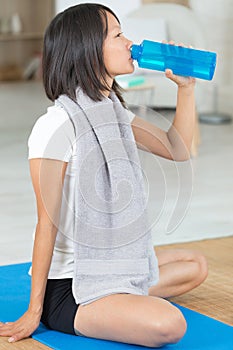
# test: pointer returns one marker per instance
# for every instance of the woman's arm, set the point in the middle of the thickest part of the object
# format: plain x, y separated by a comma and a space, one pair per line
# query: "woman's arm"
180, 134
47, 178
176, 143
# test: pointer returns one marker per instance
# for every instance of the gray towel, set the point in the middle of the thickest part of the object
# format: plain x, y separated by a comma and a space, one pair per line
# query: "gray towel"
113, 250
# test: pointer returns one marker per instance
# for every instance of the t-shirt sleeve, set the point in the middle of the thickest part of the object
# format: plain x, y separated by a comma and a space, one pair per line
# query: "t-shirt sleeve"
52, 136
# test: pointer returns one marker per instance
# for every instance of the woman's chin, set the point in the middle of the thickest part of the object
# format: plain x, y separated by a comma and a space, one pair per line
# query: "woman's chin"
130, 70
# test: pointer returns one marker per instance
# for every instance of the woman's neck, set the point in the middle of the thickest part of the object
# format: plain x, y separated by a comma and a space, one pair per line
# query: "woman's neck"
109, 82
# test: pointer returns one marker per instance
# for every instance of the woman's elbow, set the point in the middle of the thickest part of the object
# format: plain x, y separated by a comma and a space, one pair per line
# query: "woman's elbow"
183, 158
180, 154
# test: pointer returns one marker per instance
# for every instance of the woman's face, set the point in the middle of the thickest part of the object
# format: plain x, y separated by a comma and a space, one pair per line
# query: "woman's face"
116, 50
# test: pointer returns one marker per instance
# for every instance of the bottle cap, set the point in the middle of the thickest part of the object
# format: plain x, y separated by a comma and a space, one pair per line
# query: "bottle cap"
135, 51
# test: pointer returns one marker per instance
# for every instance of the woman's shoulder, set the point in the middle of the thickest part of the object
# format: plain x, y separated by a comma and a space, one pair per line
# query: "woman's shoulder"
52, 135
54, 118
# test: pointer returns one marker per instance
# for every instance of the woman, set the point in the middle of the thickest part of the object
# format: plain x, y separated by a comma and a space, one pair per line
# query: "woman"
84, 49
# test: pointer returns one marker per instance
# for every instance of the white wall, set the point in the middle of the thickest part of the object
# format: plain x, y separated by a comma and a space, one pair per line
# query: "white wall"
216, 17
120, 7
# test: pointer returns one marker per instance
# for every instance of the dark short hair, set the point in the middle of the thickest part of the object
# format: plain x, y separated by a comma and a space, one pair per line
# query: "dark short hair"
73, 53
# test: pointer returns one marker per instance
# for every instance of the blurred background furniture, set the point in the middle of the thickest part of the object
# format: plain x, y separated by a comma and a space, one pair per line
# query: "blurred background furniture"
21, 34
141, 94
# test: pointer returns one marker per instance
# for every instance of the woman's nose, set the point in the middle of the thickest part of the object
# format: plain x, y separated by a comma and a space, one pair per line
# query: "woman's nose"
129, 43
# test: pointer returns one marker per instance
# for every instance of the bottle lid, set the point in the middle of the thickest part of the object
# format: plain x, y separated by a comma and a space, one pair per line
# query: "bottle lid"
135, 51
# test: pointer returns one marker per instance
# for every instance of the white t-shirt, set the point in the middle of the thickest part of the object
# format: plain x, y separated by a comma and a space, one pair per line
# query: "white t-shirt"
53, 137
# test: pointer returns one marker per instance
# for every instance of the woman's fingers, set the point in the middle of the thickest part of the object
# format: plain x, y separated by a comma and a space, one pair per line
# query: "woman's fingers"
6, 332
7, 329
172, 42
179, 80
169, 73
18, 336
20, 329
20, 333
14, 332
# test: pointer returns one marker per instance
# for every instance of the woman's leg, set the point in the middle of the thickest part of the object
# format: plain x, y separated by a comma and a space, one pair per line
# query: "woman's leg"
133, 319
180, 271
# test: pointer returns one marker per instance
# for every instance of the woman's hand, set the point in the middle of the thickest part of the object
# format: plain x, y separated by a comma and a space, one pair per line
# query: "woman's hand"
181, 81
22, 328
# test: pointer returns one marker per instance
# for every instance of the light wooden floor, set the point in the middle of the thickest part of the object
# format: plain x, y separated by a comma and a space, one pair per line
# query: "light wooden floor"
213, 298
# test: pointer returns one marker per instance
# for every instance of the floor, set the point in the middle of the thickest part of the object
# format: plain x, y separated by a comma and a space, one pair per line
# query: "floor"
197, 192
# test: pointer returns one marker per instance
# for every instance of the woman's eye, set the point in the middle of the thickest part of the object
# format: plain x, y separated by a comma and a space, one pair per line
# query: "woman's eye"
119, 34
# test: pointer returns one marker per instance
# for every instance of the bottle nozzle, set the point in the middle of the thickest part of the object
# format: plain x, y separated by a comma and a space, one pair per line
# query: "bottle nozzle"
135, 51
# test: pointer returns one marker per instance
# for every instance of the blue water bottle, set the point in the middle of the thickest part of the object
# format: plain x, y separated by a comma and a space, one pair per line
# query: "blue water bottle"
182, 60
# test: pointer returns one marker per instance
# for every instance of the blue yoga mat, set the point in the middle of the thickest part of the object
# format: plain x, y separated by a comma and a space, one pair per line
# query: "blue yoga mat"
203, 332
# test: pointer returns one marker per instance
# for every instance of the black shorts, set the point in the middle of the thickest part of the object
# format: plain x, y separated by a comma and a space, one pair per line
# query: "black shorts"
59, 308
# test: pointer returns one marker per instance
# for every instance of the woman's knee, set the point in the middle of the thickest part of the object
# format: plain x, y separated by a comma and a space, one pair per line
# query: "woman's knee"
149, 321
202, 268
170, 328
